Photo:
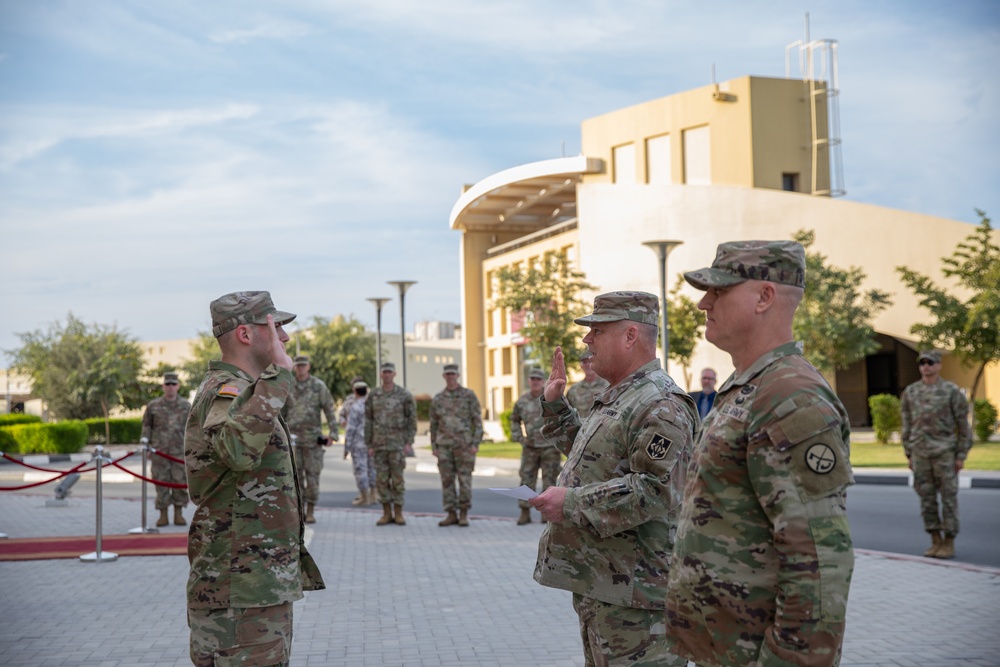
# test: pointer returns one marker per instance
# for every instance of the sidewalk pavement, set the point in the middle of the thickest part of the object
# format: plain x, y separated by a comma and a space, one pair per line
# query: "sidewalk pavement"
423, 595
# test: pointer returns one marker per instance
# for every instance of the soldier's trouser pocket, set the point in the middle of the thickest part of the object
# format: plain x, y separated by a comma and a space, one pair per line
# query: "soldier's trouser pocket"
257, 636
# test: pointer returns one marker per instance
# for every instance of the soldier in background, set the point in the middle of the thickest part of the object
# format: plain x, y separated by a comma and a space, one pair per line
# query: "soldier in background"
937, 439
582, 394
706, 397
163, 428
390, 426
762, 563
456, 431
352, 418
308, 400
246, 544
536, 453
613, 513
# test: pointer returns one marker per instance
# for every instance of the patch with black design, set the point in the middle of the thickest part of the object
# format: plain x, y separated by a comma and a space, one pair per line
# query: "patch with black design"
658, 447
821, 459
747, 389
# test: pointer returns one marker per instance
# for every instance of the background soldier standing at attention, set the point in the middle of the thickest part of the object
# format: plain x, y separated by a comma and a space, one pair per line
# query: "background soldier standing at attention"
308, 398
582, 394
163, 428
536, 453
456, 431
937, 438
246, 543
612, 515
763, 560
352, 418
390, 426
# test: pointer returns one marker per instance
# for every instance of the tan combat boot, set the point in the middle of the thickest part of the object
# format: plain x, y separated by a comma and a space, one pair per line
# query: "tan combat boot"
360, 499
935, 544
947, 548
386, 515
164, 519
398, 515
178, 516
463, 517
449, 520
309, 513
525, 517
372, 500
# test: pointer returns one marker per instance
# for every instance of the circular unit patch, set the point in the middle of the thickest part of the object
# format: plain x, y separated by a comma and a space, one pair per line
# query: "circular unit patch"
821, 459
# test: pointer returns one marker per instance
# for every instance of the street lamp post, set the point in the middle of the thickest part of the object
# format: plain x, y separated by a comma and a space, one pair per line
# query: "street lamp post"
379, 302
402, 285
662, 250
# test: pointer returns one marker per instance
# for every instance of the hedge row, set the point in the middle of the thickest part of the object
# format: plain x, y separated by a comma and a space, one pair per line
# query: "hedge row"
123, 431
11, 419
65, 437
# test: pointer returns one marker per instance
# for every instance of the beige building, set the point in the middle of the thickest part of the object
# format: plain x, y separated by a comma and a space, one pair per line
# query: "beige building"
747, 159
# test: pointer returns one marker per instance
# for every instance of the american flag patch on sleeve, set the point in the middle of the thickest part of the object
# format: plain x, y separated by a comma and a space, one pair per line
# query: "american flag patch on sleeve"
229, 390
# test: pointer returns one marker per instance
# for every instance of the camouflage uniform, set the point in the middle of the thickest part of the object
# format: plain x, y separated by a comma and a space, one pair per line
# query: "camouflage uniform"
583, 394
536, 453
306, 401
936, 432
763, 558
390, 425
163, 427
352, 415
456, 431
246, 544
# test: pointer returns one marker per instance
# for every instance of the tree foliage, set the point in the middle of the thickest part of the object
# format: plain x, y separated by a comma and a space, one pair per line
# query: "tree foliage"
686, 324
834, 319
338, 350
192, 370
82, 371
547, 296
970, 326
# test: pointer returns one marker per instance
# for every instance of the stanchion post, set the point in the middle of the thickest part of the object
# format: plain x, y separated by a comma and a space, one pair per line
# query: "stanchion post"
144, 446
99, 556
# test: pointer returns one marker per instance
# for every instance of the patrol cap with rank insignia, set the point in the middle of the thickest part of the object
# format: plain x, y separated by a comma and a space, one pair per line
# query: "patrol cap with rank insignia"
231, 310
735, 262
616, 306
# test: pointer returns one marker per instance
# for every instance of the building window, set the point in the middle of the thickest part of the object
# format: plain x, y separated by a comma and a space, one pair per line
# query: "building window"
506, 361
492, 356
697, 156
489, 284
658, 160
790, 182
490, 314
503, 321
508, 399
623, 163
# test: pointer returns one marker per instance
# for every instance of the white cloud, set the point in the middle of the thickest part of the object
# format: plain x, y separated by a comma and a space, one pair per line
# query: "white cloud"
266, 29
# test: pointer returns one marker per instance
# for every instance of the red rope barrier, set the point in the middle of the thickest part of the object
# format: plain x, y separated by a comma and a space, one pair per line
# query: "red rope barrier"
171, 485
168, 456
52, 470
48, 481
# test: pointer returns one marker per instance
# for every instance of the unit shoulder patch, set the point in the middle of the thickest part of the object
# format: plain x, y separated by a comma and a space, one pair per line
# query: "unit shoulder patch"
820, 458
658, 447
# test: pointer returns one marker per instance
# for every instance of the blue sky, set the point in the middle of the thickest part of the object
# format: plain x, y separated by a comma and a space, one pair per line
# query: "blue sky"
154, 156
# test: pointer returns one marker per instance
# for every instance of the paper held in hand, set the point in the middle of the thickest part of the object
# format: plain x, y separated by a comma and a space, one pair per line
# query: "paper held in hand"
522, 492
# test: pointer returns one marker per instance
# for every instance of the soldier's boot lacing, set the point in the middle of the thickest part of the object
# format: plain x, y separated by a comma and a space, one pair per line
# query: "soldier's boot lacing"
449, 520
935, 544
463, 517
310, 507
164, 518
179, 516
525, 517
397, 515
386, 515
947, 548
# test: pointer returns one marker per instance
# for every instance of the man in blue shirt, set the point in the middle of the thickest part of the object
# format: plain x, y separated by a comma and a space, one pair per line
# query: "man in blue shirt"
706, 397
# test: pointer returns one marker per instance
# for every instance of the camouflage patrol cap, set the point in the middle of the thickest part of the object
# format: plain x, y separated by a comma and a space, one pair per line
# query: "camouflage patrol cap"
615, 306
232, 310
931, 355
388, 366
451, 368
301, 360
738, 261
536, 374
358, 384
171, 378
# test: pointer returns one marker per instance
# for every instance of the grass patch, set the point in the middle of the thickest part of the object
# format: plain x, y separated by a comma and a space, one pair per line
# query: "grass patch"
983, 456
500, 450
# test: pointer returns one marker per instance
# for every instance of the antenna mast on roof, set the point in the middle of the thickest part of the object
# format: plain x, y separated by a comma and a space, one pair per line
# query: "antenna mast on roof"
818, 68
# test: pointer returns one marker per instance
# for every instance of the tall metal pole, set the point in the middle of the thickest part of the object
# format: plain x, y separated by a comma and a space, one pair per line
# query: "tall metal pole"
662, 250
379, 302
403, 285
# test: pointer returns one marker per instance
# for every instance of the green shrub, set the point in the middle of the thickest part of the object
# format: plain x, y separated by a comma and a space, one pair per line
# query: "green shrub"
505, 423
65, 437
123, 431
423, 407
887, 418
985, 415
11, 419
